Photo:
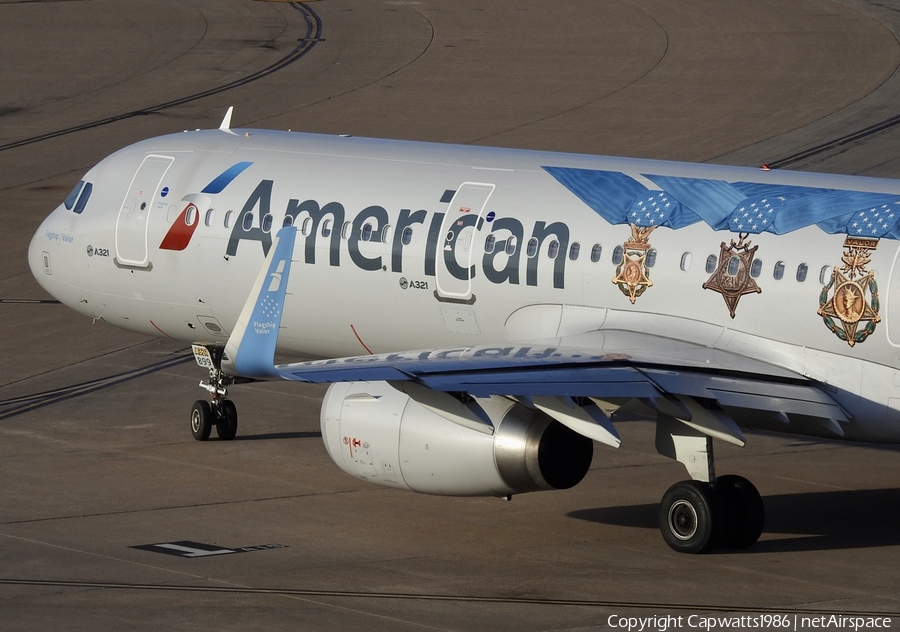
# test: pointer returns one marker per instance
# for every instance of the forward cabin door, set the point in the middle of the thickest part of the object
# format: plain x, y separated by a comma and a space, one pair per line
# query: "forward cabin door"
134, 214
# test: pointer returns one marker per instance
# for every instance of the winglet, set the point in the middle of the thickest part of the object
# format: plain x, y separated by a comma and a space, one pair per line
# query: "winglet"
226, 122
250, 350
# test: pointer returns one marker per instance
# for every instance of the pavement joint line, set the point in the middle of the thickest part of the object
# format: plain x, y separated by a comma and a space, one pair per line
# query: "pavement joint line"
370, 83
405, 596
79, 362
305, 44
29, 403
30, 301
221, 503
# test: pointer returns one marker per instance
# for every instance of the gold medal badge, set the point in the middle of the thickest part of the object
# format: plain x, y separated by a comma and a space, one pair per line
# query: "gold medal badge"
732, 278
848, 302
633, 275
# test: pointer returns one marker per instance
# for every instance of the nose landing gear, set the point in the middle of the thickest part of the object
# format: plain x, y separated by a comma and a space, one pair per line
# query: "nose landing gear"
222, 414
219, 412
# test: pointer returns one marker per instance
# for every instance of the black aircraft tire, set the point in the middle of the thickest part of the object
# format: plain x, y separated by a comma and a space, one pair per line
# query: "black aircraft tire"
745, 514
201, 420
690, 517
226, 427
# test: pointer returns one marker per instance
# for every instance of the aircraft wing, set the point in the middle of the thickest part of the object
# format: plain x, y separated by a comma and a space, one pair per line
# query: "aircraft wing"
619, 366
612, 369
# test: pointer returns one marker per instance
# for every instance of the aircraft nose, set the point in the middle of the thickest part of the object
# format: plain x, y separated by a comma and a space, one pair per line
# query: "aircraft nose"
45, 254
38, 256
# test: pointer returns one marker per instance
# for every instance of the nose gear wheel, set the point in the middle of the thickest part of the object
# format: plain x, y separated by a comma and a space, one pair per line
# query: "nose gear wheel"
219, 411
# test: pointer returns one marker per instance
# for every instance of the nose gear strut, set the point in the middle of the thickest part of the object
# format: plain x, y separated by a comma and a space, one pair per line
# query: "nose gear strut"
219, 411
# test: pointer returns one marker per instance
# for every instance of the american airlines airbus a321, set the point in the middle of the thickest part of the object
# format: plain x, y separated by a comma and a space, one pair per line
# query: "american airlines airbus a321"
485, 315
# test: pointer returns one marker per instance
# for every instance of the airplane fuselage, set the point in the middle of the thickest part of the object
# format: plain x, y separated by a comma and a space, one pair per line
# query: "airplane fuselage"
419, 246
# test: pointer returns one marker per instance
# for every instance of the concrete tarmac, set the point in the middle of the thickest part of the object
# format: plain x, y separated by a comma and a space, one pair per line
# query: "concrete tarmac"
95, 453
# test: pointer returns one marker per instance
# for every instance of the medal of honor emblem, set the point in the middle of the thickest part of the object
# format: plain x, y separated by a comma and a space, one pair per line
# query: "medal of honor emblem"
732, 278
845, 297
633, 275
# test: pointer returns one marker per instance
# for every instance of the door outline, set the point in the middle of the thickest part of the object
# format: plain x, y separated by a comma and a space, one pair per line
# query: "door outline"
448, 285
893, 303
131, 230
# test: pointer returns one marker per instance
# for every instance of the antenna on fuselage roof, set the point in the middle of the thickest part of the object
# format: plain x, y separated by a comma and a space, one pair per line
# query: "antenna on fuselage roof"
226, 122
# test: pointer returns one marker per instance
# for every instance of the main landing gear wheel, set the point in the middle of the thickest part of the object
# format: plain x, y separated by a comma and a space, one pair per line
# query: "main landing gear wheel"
744, 511
201, 420
696, 517
226, 425
690, 517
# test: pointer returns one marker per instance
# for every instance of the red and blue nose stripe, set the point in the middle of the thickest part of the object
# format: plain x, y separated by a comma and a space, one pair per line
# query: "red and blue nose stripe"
182, 230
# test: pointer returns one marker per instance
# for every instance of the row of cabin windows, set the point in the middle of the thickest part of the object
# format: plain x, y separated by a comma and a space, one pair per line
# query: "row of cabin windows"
734, 265
78, 198
368, 232
509, 245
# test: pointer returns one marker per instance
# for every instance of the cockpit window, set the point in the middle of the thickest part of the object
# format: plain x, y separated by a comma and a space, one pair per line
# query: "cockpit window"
83, 198
70, 201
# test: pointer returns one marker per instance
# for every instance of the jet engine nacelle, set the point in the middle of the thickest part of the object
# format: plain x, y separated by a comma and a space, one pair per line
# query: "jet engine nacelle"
381, 435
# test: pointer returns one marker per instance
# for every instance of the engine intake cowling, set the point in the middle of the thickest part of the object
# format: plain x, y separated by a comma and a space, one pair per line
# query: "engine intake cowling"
381, 435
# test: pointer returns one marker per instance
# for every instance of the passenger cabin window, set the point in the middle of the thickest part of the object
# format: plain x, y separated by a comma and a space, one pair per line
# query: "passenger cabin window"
406, 238
386, 234
802, 271
229, 217
248, 222
511, 245
756, 268
618, 255
326, 228
651, 258
778, 273
685, 262
83, 198
210, 217
288, 221
823, 274
574, 249
596, 253
489, 243
306, 226
711, 262
367, 232
267, 223
345, 230
553, 249
734, 266
531, 248
190, 216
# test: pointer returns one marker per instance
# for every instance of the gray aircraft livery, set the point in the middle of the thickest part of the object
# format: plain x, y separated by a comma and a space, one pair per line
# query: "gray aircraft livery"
485, 315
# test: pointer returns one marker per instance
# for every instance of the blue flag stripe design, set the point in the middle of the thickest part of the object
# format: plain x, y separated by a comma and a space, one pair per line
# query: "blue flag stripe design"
224, 179
609, 193
711, 200
737, 206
